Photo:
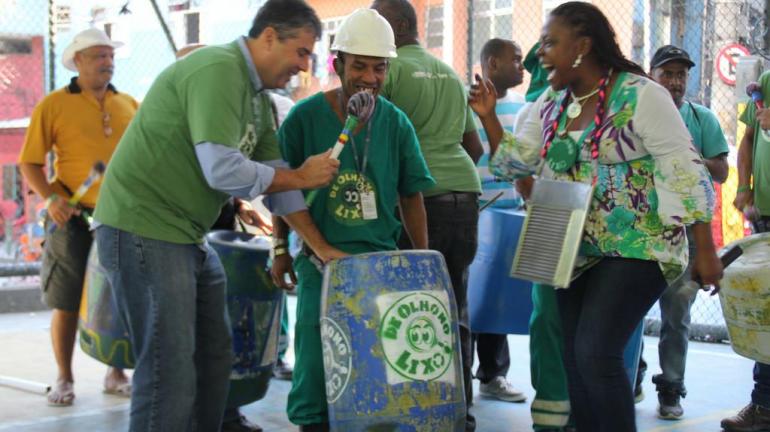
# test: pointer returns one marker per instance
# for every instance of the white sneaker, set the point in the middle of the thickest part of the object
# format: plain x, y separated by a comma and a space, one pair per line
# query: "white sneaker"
500, 388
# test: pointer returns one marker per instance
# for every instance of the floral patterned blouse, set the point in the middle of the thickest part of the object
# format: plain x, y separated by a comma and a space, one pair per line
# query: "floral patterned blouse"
650, 181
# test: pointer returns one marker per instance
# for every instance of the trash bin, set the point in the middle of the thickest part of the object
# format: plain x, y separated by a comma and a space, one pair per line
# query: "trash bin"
391, 345
255, 305
102, 333
745, 298
498, 303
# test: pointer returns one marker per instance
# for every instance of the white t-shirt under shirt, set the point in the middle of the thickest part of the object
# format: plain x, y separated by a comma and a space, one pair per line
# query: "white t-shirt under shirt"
507, 109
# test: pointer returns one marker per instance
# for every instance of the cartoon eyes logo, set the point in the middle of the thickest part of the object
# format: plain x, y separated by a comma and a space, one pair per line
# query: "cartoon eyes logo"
421, 335
416, 335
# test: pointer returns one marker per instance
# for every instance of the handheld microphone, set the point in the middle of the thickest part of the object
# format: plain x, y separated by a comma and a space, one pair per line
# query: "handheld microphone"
93, 176
754, 91
360, 108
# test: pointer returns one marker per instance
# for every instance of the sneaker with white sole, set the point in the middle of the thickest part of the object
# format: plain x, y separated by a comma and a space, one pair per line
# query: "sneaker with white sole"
669, 407
500, 388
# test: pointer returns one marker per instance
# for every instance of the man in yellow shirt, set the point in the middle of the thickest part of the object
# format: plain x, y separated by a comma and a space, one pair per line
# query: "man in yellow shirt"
82, 124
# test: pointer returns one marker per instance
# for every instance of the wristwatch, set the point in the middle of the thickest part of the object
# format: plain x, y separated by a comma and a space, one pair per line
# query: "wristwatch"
280, 247
278, 251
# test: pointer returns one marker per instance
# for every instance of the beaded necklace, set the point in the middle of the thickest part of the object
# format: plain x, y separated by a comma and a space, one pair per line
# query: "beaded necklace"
565, 153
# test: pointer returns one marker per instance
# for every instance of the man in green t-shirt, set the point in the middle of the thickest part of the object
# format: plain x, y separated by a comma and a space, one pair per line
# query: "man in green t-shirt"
204, 132
670, 67
753, 198
433, 97
381, 167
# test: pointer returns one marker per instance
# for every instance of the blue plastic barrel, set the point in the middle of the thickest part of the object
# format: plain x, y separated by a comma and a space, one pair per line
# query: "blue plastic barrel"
255, 305
498, 303
391, 345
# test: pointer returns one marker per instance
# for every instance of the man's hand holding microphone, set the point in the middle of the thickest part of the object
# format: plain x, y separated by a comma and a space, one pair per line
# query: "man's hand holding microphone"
317, 171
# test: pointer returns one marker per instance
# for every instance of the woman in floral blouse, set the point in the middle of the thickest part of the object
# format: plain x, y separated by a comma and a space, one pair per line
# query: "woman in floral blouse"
604, 122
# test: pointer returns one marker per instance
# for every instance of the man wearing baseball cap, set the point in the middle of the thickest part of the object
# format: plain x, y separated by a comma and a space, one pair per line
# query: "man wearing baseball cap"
670, 68
81, 123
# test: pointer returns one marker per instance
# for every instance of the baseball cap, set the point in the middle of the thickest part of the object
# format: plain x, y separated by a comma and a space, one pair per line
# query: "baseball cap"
669, 53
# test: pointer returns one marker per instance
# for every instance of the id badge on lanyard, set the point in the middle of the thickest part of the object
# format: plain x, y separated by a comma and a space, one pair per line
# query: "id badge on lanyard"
366, 197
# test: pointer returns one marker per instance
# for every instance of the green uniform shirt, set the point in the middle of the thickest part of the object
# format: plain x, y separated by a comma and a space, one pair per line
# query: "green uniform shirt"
761, 153
707, 135
395, 167
154, 186
434, 99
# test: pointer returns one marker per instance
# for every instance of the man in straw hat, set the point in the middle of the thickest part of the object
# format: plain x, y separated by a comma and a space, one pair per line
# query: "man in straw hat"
81, 123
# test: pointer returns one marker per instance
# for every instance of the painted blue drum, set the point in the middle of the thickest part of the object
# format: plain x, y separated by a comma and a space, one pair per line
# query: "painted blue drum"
498, 303
255, 305
391, 345
102, 333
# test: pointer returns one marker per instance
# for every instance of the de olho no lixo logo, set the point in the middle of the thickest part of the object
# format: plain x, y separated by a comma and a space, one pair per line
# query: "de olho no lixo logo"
416, 333
337, 359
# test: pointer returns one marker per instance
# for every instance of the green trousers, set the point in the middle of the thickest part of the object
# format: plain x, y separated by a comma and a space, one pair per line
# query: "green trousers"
283, 336
550, 409
307, 398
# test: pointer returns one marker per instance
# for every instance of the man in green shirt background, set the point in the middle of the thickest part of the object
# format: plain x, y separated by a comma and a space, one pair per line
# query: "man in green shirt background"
434, 99
196, 140
753, 199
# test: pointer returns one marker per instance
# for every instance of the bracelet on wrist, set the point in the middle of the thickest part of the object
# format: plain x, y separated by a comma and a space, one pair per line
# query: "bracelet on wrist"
743, 188
51, 198
278, 251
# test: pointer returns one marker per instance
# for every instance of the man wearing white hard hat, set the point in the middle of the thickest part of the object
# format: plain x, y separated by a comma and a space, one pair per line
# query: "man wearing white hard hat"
81, 123
380, 167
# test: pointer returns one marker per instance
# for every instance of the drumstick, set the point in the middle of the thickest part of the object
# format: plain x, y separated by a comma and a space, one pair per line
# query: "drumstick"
490, 202
24, 385
93, 176
360, 109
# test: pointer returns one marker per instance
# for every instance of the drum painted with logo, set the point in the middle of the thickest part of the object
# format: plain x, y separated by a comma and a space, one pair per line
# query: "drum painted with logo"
498, 303
391, 346
102, 334
255, 305
745, 298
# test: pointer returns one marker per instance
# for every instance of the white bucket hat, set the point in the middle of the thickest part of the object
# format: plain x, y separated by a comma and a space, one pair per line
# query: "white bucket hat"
86, 39
365, 32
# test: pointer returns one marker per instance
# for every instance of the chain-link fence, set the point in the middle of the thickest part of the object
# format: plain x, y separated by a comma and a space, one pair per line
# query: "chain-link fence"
33, 33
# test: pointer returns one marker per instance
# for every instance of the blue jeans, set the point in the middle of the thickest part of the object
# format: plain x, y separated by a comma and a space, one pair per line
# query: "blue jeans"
675, 304
599, 313
761, 394
171, 298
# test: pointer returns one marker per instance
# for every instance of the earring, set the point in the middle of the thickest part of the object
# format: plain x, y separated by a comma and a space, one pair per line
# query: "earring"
578, 60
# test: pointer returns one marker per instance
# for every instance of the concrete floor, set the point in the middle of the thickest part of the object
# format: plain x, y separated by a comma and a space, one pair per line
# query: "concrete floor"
719, 384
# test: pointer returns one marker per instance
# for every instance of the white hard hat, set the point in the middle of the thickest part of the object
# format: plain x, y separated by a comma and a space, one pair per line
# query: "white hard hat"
86, 39
365, 32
